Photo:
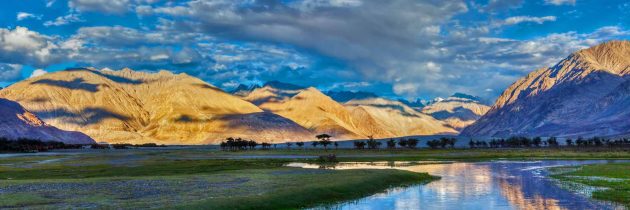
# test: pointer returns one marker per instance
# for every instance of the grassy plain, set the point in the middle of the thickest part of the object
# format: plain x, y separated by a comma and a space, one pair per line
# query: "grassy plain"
182, 179
204, 177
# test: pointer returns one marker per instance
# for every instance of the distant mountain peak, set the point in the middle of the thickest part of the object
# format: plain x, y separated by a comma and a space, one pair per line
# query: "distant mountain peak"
465, 96
345, 96
282, 85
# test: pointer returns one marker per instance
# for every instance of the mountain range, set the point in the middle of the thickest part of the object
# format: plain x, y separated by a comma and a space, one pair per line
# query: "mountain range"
585, 94
127, 106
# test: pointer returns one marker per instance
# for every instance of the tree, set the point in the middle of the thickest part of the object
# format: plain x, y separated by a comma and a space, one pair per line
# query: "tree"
359, 144
402, 142
289, 145
537, 141
471, 143
314, 144
433, 143
412, 143
452, 141
552, 141
325, 143
300, 144
336, 145
391, 144
569, 142
373, 144
324, 140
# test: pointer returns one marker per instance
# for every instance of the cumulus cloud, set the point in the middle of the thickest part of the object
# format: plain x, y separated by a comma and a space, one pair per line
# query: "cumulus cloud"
407, 47
24, 46
526, 19
38, 72
25, 15
560, 2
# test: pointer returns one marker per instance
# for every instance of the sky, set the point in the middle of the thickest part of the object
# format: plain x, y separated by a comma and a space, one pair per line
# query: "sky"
396, 48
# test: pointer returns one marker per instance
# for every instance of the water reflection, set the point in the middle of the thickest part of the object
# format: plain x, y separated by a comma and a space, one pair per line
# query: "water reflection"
486, 185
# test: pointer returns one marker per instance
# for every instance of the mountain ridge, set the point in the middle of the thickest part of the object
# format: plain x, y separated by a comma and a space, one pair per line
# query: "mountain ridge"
584, 94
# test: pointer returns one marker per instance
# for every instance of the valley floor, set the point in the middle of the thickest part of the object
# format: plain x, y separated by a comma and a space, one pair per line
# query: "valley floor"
204, 177
149, 179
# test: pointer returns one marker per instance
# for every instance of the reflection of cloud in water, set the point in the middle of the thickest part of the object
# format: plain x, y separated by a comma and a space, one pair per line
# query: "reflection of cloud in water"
514, 194
488, 185
458, 179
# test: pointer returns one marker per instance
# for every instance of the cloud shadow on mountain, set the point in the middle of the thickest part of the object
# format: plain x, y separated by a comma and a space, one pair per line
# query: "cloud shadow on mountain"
87, 116
114, 78
76, 84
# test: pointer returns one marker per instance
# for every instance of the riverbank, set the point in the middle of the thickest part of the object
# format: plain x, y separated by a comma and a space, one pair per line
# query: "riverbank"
460, 154
141, 179
608, 182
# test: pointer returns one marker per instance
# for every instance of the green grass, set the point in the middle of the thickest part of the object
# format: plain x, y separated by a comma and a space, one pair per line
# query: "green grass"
615, 177
212, 179
180, 179
301, 191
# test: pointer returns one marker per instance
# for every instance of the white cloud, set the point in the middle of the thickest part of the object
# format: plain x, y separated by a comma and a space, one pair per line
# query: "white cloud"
525, 19
105, 6
24, 46
49, 3
63, 20
38, 72
25, 15
10, 72
560, 2
159, 57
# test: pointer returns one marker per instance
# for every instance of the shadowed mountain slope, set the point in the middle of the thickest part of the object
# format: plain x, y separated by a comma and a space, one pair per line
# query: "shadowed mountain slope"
16, 123
585, 94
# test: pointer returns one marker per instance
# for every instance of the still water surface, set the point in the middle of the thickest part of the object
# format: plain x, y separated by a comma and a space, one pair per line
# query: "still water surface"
478, 185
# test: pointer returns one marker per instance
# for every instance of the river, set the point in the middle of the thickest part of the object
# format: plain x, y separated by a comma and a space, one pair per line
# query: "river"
475, 185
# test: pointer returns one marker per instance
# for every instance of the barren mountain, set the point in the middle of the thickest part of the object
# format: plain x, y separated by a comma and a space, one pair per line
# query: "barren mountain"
359, 118
135, 107
585, 94
395, 118
457, 111
16, 123
308, 107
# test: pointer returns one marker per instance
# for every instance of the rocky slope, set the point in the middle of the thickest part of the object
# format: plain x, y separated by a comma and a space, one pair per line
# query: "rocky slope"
457, 111
585, 94
16, 123
136, 107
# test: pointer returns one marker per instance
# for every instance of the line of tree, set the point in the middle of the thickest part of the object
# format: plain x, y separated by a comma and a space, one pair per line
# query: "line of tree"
32, 145
391, 143
521, 141
443, 142
239, 144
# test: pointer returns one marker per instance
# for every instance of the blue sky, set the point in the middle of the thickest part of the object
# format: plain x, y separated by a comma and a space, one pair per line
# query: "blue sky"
399, 48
